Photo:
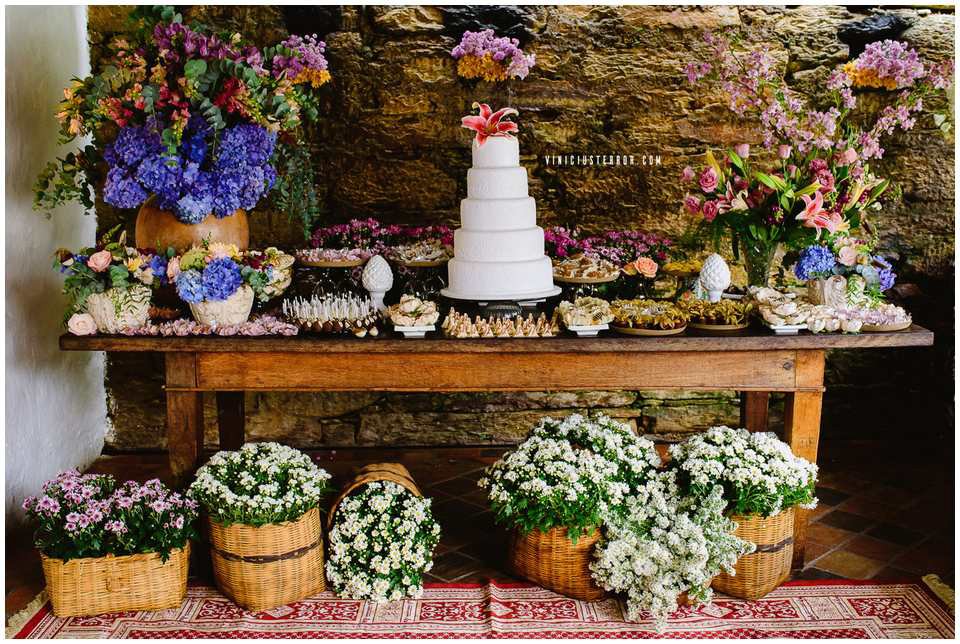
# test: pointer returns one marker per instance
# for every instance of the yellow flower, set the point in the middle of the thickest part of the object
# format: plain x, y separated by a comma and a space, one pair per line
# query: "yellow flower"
867, 78
134, 263
220, 249
315, 77
486, 68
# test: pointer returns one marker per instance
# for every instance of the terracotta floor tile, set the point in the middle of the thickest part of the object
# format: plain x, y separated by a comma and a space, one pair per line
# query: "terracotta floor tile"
869, 508
894, 574
847, 521
932, 555
849, 565
814, 550
820, 511
453, 565
889, 495
873, 548
816, 573
895, 534
829, 496
827, 535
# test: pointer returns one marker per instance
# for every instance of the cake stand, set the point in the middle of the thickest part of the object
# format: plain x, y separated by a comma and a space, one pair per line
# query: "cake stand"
485, 298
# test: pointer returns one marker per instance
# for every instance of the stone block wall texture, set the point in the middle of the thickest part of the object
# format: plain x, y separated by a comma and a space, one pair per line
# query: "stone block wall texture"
607, 81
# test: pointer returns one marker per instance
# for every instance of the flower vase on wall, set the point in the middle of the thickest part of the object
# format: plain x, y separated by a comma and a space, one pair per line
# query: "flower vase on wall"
157, 228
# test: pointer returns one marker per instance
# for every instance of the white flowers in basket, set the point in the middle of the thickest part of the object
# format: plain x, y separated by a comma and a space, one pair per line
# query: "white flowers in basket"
260, 483
664, 545
758, 472
381, 543
571, 473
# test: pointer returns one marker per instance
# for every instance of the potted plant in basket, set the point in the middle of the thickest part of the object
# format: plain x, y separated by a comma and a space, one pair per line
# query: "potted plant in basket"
260, 507
109, 285
557, 489
821, 179
381, 536
190, 126
763, 484
108, 548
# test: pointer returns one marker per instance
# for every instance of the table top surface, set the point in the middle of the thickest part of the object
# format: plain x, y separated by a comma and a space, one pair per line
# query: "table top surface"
753, 339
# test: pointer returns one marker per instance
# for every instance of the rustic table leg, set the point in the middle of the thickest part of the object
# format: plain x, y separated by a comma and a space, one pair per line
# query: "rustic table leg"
184, 416
230, 419
802, 432
754, 408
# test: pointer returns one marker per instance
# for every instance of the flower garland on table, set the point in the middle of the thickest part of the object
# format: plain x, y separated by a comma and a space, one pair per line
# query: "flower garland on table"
757, 471
200, 116
258, 326
110, 264
88, 515
573, 473
481, 54
259, 484
381, 543
666, 544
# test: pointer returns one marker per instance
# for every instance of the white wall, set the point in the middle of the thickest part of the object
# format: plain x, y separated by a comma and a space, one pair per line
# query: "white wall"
55, 401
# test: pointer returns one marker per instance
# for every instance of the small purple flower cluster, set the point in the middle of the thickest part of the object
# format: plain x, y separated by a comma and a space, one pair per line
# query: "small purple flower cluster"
88, 515
218, 280
481, 43
177, 42
891, 61
560, 242
307, 55
189, 184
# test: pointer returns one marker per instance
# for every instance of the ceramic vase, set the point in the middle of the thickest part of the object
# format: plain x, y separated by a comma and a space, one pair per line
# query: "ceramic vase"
831, 291
229, 312
157, 228
117, 309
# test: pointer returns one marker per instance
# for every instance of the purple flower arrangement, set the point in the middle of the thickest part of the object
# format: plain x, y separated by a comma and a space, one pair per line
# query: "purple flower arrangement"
481, 54
89, 515
618, 246
191, 184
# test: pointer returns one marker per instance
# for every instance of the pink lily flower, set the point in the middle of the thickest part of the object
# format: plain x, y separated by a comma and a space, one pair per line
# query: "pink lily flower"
814, 215
490, 123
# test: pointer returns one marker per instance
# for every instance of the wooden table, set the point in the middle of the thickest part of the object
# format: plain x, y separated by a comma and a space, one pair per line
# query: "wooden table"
754, 364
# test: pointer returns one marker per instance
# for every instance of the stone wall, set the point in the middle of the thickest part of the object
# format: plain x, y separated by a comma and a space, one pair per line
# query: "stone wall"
607, 81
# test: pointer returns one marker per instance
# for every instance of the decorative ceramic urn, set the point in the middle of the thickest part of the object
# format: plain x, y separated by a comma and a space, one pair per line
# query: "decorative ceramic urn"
831, 291
377, 279
229, 312
714, 277
117, 309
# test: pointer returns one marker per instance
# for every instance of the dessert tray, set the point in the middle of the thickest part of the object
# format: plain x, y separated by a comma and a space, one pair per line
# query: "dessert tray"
645, 317
718, 328
460, 325
586, 316
582, 269
415, 331
584, 280
413, 317
886, 328
429, 253
588, 330
337, 315
332, 257
648, 332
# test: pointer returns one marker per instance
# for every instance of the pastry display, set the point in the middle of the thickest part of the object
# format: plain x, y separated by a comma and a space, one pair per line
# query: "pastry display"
499, 249
426, 252
722, 314
886, 317
585, 311
346, 314
646, 317
413, 312
584, 269
460, 325
333, 257
682, 267
786, 313
278, 268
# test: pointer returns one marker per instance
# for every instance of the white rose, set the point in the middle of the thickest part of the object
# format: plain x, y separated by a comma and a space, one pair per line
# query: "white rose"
82, 324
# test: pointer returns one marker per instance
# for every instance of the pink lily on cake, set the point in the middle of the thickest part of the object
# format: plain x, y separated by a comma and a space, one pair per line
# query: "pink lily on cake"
489, 123
815, 216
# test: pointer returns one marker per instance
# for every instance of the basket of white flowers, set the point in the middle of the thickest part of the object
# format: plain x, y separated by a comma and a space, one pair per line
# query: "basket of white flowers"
381, 536
558, 488
763, 483
266, 541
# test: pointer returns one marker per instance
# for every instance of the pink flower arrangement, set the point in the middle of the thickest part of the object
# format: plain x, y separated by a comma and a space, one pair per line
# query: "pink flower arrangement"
489, 123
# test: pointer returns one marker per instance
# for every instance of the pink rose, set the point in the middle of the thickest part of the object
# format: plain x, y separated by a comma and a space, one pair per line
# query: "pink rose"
100, 261
688, 174
784, 152
81, 324
847, 255
692, 204
646, 267
173, 268
847, 157
709, 180
710, 210
742, 150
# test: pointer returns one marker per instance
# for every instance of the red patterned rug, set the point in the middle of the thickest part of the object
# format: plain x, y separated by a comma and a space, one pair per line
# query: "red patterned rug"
800, 609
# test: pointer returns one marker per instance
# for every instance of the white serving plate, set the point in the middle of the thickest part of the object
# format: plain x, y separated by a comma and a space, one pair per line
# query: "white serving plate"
415, 331
588, 330
786, 329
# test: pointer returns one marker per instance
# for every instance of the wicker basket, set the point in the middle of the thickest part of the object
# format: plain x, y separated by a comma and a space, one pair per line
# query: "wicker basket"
374, 472
97, 585
268, 566
550, 559
769, 566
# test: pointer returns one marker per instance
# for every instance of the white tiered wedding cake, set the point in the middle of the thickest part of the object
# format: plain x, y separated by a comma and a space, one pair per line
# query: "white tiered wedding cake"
498, 251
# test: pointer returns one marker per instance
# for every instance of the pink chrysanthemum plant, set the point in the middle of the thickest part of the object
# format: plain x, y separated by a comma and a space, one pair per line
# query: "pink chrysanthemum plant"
489, 123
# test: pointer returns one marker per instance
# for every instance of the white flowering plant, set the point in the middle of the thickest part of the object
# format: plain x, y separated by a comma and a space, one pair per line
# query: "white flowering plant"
381, 543
758, 472
569, 473
258, 484
666, 544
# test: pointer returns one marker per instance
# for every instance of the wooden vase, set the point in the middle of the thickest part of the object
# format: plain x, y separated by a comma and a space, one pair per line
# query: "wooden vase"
160, 229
